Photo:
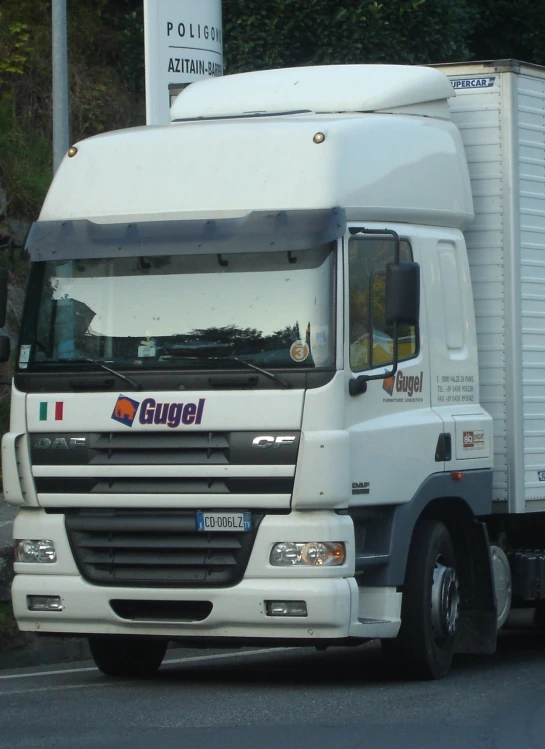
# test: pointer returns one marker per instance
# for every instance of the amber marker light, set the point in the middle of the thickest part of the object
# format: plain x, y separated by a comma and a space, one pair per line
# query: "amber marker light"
456, 475
72, 151
319, 138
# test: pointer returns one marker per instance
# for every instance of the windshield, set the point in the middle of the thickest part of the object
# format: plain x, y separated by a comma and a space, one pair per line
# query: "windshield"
273, 309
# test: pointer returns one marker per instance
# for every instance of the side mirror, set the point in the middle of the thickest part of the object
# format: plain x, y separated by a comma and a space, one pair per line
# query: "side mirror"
402, 293
4, 348
3, 296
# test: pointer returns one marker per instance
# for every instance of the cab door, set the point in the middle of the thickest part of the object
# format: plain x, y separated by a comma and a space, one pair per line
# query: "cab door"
394, 432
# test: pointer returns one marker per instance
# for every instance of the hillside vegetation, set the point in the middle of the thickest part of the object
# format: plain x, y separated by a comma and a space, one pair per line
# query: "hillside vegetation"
107, 66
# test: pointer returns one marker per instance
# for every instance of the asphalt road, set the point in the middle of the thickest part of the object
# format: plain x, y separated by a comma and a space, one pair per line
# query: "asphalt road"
289, 698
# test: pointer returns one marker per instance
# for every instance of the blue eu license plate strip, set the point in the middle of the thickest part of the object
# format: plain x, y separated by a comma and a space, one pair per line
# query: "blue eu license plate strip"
209, 522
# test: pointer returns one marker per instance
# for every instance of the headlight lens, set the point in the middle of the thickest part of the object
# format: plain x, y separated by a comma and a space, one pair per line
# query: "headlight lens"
308, 553
35, 551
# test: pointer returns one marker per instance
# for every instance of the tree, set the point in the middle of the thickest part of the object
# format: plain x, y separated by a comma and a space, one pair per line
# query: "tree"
106, 72
284, 33
509, 28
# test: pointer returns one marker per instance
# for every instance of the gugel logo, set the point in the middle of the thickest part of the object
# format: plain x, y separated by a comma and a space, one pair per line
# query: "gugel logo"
401, 383
152, 412
125, 410
171, 414
389, 385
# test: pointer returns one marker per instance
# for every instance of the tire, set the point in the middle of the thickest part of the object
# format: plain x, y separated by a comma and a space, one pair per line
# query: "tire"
429, 611
129, 657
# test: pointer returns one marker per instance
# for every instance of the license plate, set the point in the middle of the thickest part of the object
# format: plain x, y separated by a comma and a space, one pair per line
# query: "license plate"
224, 521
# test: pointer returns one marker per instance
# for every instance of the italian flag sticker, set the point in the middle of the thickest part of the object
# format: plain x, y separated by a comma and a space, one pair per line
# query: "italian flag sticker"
44, 410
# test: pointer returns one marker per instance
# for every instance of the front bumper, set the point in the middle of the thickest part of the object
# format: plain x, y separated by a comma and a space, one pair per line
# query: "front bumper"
337, 608
237, 612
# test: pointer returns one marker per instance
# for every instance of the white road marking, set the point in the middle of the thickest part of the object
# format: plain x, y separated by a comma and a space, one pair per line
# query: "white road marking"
49, 673
190, 659
33, 690
7, 522
227, 655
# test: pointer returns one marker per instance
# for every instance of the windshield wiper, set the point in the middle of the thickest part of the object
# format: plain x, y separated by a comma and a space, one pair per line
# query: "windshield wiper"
100, 364
136, 385
204, 357
277, 378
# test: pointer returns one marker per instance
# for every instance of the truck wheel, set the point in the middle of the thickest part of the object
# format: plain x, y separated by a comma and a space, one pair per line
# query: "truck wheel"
429, 612
133, 657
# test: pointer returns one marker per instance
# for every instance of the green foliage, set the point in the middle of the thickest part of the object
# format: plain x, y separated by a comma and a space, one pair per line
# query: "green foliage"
105, 78
284, 33
126, 19
106, 58
510, 28
133, 45
13, 49
106, 92
25, 160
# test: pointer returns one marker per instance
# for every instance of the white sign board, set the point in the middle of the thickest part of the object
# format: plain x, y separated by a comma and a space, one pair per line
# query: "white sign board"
183, 43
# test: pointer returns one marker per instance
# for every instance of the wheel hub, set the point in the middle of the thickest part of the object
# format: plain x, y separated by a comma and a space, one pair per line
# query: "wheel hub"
444, 601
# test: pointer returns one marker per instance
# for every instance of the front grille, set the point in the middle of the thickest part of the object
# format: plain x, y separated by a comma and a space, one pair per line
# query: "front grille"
160, 548
165, 486
211, 463
195, 448
159, 448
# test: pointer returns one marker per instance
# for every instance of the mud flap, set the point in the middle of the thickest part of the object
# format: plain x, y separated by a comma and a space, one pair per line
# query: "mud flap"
477, 625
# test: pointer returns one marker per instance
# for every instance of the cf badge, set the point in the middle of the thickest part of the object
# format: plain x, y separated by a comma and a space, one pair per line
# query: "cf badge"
268, 441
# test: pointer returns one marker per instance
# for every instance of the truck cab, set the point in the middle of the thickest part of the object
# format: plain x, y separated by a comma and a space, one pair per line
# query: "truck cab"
246, 402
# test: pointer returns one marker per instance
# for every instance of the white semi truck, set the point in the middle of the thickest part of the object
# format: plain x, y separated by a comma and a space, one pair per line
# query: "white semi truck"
281, 373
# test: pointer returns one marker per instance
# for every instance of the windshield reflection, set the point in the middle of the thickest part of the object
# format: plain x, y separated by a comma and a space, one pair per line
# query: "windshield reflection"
272, 309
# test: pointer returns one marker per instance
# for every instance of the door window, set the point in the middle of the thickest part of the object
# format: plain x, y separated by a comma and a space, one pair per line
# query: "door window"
371, 339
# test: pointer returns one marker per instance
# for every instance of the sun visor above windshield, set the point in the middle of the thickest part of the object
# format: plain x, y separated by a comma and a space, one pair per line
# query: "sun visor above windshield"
259, 231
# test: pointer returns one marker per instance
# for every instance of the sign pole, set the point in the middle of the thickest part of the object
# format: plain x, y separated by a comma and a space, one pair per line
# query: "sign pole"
61, 134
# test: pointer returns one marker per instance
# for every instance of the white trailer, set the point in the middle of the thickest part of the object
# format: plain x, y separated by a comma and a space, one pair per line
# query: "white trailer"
499, 109
280, 376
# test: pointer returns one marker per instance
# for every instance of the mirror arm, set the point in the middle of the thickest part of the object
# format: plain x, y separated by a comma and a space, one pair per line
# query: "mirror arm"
382, 232
358, 385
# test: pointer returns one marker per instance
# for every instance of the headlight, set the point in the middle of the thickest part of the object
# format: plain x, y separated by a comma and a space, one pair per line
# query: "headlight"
309, 553
35, 551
